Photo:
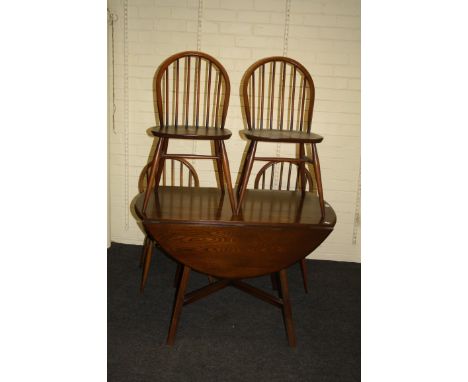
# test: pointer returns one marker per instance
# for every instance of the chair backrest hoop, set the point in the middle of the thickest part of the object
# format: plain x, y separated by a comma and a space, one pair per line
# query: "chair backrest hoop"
284, 179
265, 106
183, 84
183, 164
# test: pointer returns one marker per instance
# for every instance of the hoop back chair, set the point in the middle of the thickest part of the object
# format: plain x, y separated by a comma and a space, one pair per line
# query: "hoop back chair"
192, 98
278, 96
180, 173
288, 180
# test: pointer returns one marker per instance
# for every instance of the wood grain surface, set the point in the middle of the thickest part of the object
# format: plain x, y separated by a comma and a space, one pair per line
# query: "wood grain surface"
197, 227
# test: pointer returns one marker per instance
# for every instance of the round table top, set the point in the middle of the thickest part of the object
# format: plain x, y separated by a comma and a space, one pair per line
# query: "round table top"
210, 205
196, 226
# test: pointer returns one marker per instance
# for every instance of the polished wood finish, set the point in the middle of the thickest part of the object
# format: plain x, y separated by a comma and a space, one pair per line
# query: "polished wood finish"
146, 266
284, 120
178, 303
265, 180
219, 164
147, 241
187, 176
207, 205
302, 168
191, 108
318, 177
290, 70
192, 132
265, 177
178, 88
153, 170
176, 172
286, 136
258, 293
232, 249
225, 174
205, 291
196, 226
182, 299
245, 174
286, 308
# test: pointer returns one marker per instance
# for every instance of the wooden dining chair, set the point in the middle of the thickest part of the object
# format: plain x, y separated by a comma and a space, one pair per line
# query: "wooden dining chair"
192, 98
288, 175
175, 172
278, 97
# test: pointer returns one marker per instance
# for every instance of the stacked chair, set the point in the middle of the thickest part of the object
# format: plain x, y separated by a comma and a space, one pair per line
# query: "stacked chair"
289, 175
192, 97
192, 106
278, 96
176, 172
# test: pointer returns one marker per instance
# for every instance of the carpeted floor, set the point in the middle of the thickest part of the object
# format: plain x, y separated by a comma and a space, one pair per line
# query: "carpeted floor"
231, 336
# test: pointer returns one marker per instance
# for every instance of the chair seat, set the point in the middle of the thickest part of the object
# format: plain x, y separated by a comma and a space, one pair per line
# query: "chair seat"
267, 135
191, 132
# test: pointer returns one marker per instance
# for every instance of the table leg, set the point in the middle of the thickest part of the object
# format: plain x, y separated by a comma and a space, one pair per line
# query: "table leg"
304, 275
145, 249
178, 303
146, 265
177, 274
287, 312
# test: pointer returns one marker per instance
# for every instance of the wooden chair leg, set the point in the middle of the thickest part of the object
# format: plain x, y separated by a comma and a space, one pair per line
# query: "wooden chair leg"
286, 308
302, 167
146, 266
145, 249
246, 170
227, 176
303, 264
154, 167
219, 164
161, 163
318, 178
244, 167
178, 303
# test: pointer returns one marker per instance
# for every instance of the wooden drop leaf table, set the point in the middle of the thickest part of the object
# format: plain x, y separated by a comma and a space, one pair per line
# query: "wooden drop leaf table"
274, 230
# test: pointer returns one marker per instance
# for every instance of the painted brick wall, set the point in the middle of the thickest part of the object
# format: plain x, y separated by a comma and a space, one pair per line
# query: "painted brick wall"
323, 35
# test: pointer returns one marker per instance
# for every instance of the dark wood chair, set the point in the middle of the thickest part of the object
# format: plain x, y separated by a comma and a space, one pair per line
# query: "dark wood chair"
175, 172
192, 98
289, 175
278, 96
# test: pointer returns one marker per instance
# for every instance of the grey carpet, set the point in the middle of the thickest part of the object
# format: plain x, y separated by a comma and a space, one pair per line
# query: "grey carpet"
231, 336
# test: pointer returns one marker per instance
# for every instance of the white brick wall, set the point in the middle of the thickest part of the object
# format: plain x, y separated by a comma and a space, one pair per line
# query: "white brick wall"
324, 35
